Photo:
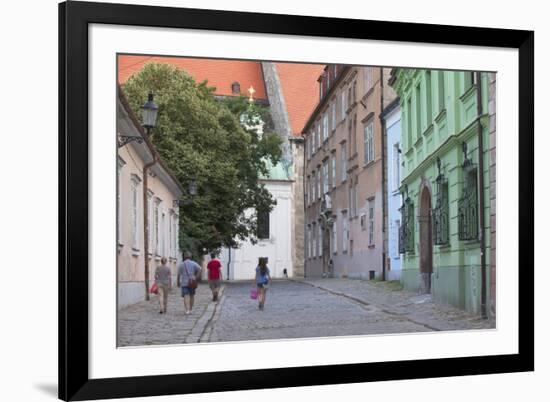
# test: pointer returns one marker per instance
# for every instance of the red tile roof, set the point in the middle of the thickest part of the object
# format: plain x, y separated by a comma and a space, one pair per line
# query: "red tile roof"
219, 73
298, 81
301, 91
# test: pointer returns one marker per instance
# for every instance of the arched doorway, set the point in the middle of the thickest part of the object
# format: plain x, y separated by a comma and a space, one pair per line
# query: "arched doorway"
426, 244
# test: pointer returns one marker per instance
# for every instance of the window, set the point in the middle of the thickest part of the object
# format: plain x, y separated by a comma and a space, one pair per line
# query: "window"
163, 234
353, 136
120, 164
395, 180
263, 224
441, 90
406, 230
313, 141
156, 216
345, 232
344, 161
319, 183
135, 212
314, 240
354, 93
333, 165
174, 235
467, 204
418, 112
308, 242
409, 123
325, 177
312, 189
371, 222
343, 104
368, 78
333, 115
369, 143
440, 214
150, 221
334, 241
319, 142
468, 80
320, 241
306, 192
428, 97
325, 126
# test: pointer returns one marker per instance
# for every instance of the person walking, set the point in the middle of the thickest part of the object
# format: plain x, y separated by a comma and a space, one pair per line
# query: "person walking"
188, 275
214, 275
262, 280
163, 280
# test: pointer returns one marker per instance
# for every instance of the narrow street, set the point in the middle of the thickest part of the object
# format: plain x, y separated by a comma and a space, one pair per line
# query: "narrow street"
294, 309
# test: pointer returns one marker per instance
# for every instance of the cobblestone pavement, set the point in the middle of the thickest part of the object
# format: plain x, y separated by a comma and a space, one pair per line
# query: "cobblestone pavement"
294, 309
331, 307
141, 323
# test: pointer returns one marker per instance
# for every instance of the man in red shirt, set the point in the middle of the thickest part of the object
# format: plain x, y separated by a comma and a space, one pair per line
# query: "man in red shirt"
214, 275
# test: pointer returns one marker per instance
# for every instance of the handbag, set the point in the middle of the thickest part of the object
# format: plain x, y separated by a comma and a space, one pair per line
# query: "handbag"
253, 293
154, 289
192, 282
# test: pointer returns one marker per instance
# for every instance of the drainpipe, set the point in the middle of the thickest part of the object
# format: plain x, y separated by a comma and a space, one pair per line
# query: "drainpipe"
382, 131
309, 197
146, 223
481, 198
228, 261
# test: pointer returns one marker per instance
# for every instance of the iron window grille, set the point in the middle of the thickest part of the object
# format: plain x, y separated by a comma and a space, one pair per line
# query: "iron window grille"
467, 205
440, 214
406, 229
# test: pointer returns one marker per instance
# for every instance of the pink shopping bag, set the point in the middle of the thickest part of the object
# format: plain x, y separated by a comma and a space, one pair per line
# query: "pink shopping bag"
254, 293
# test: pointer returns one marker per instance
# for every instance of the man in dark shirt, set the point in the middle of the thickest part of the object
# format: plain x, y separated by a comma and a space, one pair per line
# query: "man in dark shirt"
188, 275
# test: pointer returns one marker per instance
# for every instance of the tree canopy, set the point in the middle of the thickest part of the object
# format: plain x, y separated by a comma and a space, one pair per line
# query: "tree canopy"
216, 141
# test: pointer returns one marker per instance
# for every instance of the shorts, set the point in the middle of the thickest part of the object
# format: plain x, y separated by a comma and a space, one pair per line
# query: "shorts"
187, 291
214, 283
261, 285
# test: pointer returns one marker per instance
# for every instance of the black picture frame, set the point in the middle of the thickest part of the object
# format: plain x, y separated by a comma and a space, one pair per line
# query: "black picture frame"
74, 18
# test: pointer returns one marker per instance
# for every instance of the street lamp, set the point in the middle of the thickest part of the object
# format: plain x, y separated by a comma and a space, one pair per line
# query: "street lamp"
149, 112
191, 191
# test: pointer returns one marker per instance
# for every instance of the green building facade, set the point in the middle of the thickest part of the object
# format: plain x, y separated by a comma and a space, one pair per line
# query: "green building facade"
440, 236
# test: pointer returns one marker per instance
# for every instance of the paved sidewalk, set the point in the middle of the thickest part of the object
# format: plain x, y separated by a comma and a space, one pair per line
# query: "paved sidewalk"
393, 300
141, 323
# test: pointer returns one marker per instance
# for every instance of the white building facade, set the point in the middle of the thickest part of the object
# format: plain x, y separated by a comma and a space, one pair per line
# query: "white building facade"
274, 240
392, 119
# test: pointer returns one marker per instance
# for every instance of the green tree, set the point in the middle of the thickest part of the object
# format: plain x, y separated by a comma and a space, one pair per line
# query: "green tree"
217, 142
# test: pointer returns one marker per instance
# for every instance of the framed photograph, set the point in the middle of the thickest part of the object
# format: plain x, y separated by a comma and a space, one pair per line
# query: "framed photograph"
258, 201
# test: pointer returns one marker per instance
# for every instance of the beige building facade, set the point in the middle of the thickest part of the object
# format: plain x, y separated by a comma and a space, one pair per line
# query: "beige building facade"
160, 198
343, 192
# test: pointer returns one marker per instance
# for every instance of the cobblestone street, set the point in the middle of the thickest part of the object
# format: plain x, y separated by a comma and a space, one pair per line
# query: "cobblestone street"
294, 309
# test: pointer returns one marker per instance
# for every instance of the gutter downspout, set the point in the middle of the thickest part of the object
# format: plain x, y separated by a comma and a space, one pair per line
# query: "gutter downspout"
228, 261
481, 199
305, 206
383, 175
146, 224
